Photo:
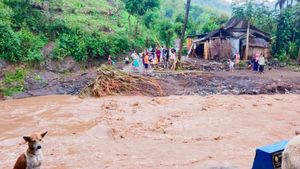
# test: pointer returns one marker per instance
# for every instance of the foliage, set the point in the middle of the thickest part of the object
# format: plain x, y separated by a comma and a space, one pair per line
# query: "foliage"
288, 33
71, 44
9, 43
96, 45
166, 31
242, 64
119, 44
31, 45
214, 22
14, 82
140, 7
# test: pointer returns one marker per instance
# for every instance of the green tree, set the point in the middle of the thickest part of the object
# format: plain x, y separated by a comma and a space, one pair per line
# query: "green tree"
9, 43
139, 8
165, 29
252, 11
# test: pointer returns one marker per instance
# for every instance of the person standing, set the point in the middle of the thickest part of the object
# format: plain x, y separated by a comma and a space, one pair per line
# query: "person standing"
136, 63
109, 60
237, 58
231, 65
146, 61
173, 55
158, 54
255, 64
261, 63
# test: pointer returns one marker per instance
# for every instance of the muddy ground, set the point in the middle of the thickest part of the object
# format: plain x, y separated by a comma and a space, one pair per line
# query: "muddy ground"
205, 78
187, 132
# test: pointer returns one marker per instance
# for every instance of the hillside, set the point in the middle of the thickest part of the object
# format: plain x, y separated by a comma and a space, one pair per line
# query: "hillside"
219, 5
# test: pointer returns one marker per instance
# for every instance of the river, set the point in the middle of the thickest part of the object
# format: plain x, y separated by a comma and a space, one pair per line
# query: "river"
144, 132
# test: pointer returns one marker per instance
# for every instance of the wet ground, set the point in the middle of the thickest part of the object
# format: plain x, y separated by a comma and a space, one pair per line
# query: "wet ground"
204, 78
189, 132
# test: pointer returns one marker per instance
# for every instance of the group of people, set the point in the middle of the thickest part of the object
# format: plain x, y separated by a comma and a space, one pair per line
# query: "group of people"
150, 56
256, 64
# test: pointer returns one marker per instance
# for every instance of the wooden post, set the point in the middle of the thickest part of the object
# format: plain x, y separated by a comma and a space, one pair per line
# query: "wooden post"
247, 41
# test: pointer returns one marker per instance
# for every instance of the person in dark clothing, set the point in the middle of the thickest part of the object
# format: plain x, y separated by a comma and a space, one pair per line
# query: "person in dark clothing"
255, 63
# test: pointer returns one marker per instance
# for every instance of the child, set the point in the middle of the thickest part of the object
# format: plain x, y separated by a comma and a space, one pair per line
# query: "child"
146, 62
261, 63
109, 60
231, 65
127, 60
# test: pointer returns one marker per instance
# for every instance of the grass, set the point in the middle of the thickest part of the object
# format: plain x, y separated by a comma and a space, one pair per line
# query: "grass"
13, 82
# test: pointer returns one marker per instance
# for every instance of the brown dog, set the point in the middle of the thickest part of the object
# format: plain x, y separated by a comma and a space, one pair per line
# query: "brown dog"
32, 158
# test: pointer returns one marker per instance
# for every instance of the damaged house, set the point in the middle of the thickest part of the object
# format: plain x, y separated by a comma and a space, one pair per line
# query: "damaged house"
224, 42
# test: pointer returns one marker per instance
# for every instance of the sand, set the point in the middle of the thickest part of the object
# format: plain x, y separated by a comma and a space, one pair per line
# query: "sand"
189, 132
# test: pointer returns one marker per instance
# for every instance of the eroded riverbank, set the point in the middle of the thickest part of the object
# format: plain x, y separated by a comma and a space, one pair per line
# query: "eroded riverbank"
144, 132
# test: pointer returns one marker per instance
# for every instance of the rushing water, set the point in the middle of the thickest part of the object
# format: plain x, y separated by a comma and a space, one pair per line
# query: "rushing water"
142, 132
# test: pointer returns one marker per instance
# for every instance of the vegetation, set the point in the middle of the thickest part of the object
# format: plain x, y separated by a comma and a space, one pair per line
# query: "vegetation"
13, 82
98, 28
282, 24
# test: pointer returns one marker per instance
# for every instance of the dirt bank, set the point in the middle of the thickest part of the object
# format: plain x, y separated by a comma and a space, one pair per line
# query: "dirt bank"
189, 132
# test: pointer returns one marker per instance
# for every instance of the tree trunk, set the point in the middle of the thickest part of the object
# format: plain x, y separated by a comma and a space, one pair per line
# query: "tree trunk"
247, 41
186, 18
299, 56
129, 23
137, 26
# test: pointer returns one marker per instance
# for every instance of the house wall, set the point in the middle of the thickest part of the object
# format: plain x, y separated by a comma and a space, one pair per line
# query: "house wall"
219, 49
235, 44
253, 50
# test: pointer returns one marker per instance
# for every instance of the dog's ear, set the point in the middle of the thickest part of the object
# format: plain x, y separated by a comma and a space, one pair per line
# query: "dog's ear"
27, 138
43, 134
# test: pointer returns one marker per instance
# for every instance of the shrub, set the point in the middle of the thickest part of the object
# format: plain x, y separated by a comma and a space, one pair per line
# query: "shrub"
282, 56
96, 44
14, 82
31, 46
242, 64
118, 44
9, 43
71, 44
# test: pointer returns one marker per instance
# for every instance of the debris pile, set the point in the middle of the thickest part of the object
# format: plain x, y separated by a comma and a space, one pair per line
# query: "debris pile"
111, 81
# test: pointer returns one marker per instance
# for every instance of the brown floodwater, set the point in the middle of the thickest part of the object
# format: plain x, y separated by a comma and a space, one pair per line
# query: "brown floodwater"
189, 132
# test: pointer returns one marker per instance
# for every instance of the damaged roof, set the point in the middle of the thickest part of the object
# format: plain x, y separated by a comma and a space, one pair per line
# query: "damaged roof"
236, 28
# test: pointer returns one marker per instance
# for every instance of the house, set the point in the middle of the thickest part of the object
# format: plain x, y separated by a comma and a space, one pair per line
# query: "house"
224, 42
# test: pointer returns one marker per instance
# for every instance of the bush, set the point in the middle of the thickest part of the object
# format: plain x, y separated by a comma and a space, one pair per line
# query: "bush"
96, 45
9, 43
31, 46
118, 44
282, 56
14, 82
71, 44
242, 64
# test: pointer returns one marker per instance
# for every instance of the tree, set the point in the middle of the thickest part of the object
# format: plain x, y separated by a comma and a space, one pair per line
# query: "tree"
139, 8
165, 29
186, 17
281, 3
251, 10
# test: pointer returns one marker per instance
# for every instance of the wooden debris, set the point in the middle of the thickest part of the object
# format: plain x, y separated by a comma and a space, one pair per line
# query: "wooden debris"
111, 81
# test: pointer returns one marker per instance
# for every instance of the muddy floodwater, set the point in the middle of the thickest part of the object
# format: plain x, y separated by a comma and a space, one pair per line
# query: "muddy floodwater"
189, 132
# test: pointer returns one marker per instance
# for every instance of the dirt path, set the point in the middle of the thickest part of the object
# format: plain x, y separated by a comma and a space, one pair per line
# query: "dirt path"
189, 132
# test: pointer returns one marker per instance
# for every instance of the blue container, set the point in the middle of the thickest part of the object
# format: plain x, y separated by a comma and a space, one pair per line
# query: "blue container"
270, 156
